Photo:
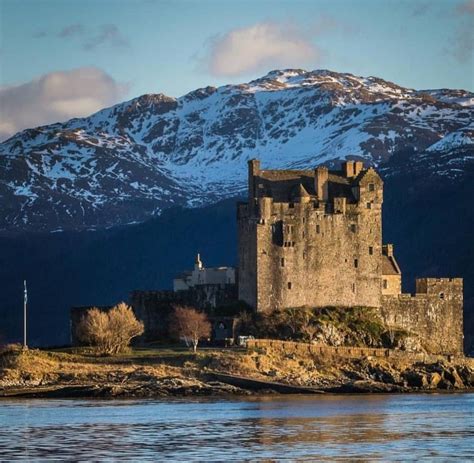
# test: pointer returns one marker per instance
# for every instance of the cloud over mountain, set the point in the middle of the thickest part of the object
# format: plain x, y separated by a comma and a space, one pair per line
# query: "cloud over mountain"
263, 45
56, 96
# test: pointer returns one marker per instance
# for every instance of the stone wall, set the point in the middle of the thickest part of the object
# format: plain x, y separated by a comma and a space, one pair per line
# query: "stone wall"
155, 307
302, 348
434, 313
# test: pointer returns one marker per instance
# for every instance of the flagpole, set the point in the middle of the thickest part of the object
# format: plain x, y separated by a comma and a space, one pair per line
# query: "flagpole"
25, 300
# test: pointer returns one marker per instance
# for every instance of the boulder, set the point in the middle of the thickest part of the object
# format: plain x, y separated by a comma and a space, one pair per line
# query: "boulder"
467, 375
434, 380
453, 377
416, 379
445, 384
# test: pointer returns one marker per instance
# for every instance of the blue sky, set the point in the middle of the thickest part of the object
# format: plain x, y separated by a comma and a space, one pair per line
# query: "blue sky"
143, 46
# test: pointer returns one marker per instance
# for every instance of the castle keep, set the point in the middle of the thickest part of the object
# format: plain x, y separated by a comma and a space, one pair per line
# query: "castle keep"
314, 238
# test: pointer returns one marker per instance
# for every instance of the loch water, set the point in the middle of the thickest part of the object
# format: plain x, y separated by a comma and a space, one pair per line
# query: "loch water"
413, 427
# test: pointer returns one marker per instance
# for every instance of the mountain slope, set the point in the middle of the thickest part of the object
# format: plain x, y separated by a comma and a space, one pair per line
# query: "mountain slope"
132, 161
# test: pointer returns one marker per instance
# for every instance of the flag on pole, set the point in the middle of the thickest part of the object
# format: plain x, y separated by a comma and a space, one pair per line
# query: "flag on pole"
25, 292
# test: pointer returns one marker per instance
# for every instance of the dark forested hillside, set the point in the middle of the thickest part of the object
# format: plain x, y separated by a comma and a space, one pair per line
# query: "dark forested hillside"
65, 269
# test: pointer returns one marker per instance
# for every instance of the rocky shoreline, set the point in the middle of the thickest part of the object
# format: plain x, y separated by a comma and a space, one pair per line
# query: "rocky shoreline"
222, 372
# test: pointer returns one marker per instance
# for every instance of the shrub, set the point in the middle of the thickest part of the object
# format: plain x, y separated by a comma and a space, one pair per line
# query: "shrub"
109, 332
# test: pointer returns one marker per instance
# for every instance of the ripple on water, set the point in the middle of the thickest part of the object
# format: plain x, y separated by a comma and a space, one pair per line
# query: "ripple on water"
377, 427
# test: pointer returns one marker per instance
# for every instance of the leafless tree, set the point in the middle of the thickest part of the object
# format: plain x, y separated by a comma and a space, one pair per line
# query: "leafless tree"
189, 324
109, 332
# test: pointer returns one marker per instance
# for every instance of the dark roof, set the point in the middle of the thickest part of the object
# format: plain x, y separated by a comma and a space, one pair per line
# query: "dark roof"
389, 267
286, 185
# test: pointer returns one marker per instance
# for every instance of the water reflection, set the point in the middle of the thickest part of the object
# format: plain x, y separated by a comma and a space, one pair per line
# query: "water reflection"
380, 427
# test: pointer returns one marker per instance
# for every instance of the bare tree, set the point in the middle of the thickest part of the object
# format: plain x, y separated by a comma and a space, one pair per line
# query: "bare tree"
189, 324
109, 332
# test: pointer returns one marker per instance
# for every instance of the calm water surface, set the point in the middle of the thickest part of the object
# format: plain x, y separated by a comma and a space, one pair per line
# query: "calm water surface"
367, 427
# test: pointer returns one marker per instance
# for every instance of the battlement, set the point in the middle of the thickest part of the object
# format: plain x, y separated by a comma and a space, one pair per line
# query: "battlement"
439, 286
333, 191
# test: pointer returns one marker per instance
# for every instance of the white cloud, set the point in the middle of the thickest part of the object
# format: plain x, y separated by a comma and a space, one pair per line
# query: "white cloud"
55, 97
260, 47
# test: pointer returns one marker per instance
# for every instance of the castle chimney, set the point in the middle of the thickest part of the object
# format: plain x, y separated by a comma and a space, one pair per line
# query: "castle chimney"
348, 169
254, 171
387, 250
358, 166
321, 175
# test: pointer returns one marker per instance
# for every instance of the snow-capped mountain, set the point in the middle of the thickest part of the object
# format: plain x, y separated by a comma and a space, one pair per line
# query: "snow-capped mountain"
128, 162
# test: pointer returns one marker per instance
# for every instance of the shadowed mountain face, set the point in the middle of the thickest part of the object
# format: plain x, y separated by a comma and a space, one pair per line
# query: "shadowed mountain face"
130, 162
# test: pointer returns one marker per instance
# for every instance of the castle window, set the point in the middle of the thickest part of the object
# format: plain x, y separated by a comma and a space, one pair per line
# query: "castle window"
385, 284
318, 229
441, 295
356, 263
282, 261
369, 205
371, 250
289, 285
304, 254
292, 244
353, 227
353, 287
304, 234
371, 187
304, 219
291, 205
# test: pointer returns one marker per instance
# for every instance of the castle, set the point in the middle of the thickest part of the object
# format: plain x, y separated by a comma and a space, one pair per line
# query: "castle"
310, 238
314, 238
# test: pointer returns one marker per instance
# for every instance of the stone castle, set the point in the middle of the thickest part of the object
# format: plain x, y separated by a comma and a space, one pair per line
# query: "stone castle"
310, 238
314, 238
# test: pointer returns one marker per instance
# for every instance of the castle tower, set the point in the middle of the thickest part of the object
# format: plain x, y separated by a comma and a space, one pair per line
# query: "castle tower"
311, 237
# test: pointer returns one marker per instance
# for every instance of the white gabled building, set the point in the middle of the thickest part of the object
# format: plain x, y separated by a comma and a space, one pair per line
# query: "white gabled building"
201, 275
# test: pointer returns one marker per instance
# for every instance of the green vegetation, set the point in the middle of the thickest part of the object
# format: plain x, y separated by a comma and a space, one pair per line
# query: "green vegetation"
351, 326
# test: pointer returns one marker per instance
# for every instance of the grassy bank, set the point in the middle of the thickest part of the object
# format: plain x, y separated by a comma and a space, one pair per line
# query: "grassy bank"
177, 371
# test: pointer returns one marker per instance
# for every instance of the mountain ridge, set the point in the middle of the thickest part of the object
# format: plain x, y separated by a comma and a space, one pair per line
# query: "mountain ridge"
129, 162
